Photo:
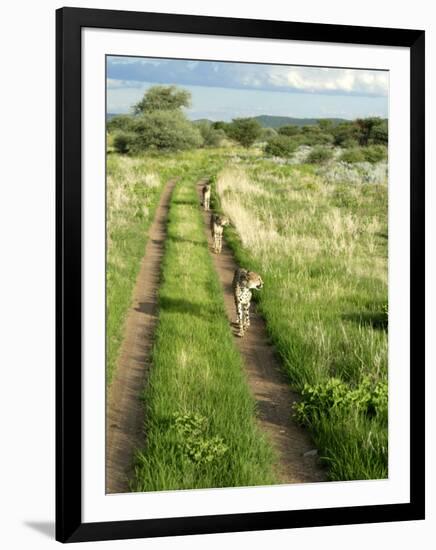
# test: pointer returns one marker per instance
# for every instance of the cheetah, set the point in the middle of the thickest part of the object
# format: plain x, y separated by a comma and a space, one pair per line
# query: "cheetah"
243, 283
217, 224
206, 196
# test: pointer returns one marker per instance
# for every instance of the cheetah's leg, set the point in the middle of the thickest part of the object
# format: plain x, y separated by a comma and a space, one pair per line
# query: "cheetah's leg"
240, 321
247, 315
220, 244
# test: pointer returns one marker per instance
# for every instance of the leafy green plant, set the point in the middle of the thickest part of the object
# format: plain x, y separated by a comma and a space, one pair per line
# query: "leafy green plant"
194, 442
323, 400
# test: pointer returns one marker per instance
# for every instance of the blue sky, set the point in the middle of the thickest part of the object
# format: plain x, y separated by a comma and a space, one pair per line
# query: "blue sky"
222, 91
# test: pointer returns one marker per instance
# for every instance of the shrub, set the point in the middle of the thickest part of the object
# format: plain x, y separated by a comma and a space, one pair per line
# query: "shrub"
375, 153
212, 137
372, 153
354, 154
316, 138
319, 155
194, 441
322, 400
280, 146
122, 141
165, 130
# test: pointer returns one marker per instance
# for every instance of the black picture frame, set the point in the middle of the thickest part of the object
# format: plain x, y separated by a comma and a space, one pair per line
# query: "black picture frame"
69, 525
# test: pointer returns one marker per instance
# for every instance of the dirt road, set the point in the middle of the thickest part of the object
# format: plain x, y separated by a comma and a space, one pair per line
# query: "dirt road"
124, 410
268, 384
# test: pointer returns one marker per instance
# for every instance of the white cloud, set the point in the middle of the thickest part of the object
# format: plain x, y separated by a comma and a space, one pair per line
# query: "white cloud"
308, 79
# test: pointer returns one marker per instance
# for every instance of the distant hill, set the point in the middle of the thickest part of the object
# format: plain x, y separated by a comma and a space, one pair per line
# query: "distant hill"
109, 116
268, 121
271, 121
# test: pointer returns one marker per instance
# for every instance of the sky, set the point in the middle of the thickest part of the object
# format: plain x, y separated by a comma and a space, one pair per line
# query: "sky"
224, 90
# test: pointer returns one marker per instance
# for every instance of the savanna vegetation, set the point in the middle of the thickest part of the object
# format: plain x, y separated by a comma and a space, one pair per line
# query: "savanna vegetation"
308, 206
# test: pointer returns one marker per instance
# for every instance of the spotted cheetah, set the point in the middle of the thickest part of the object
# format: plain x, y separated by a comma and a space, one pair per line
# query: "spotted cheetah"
206, 196
243, 283
217, 224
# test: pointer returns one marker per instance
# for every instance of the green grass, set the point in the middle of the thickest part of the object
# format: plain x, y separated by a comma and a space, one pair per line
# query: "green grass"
134, 186
322, 252
200, 416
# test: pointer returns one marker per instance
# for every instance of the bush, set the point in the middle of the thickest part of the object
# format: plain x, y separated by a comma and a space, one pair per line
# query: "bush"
280, 146
375, 153
319, 155
372, 153
321, 400
122, 141
316, 138
354, 154
211, 137
165, 130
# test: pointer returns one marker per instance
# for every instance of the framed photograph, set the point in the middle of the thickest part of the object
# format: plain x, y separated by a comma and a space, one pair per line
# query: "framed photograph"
240, 275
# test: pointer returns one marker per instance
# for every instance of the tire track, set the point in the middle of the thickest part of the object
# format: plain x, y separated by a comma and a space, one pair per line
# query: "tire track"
124, 410
267, 382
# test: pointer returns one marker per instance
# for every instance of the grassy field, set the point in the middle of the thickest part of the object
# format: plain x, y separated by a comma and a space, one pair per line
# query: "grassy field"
318, 237
317, 234
200, 421
134, 185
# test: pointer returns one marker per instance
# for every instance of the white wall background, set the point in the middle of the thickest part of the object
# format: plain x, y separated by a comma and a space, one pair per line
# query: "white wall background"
27, 209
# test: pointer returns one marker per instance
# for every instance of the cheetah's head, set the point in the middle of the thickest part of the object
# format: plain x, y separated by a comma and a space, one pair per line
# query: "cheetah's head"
223, 220
254, 280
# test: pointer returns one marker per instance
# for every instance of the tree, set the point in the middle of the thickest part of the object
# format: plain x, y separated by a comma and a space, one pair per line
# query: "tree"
365, 127
165, 130
244, 130
163, 98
